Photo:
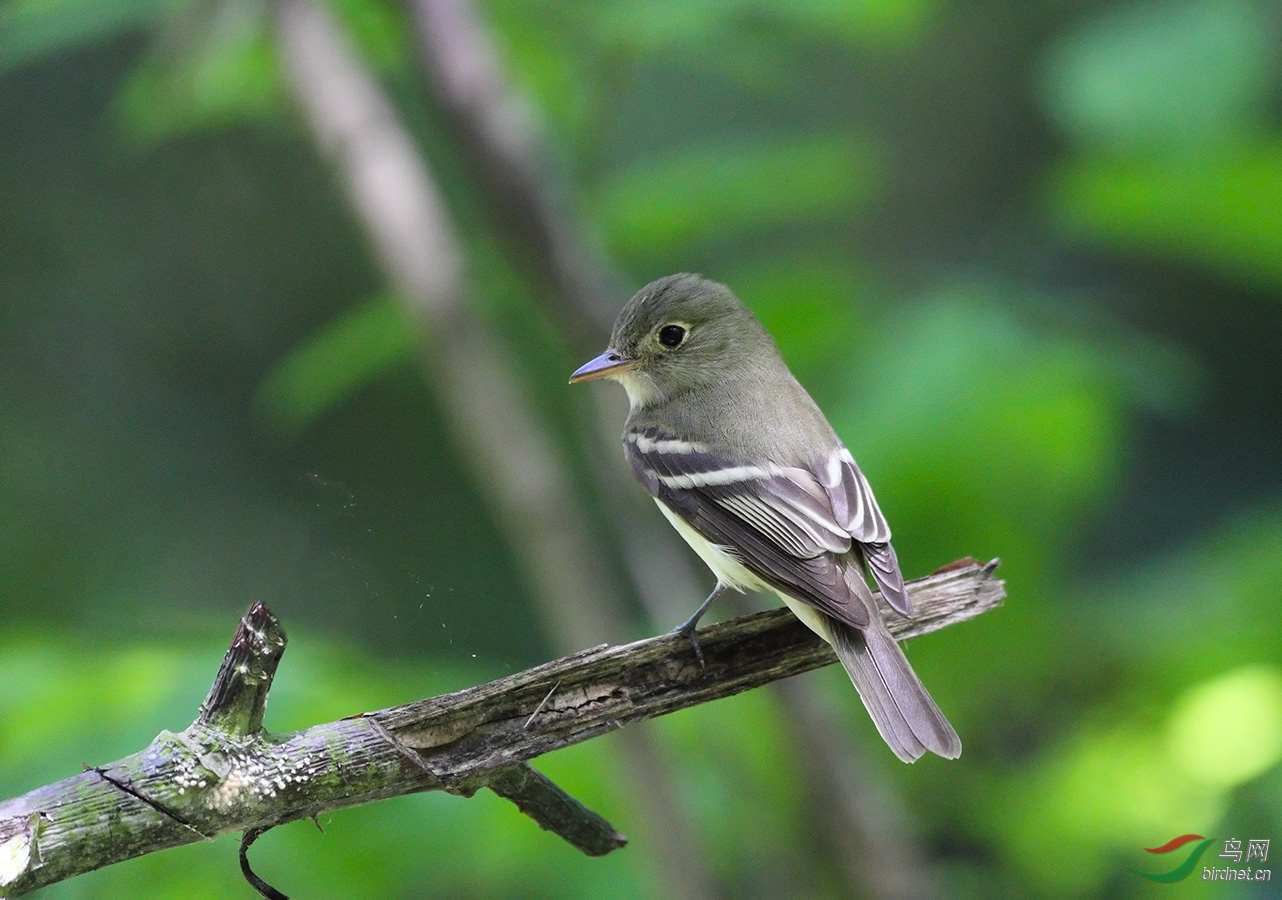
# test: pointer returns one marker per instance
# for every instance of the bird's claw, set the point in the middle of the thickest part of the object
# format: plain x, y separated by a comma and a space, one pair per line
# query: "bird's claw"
689, 630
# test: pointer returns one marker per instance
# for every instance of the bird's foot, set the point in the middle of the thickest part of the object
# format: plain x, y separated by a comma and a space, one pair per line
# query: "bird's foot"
689, 625
690, 630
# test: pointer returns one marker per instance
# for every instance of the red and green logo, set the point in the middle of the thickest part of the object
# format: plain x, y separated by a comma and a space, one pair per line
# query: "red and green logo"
1180, 872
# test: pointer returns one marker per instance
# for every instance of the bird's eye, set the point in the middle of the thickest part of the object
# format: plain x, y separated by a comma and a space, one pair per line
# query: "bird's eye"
671, 335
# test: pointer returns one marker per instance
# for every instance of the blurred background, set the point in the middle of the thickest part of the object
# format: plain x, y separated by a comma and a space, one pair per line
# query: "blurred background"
289, 293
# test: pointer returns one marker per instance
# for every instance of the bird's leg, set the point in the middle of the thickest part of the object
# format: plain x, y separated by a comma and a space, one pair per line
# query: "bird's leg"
689, 625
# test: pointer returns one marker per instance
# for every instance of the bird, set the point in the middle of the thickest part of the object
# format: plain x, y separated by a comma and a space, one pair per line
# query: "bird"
747, 469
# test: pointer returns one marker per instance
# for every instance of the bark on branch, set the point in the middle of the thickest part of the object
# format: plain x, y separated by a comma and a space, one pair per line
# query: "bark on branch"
225, 773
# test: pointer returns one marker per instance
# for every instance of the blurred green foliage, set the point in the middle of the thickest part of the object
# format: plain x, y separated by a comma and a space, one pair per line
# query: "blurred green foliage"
1027, 256
336, 363
1169, 103
708, 193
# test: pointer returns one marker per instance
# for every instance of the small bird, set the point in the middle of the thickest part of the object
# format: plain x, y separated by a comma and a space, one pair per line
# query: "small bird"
747, 469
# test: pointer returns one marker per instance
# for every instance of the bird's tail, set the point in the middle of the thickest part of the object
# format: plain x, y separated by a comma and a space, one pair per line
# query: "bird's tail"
902, 710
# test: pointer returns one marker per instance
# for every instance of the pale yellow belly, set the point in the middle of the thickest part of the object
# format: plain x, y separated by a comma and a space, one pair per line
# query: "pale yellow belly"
734, 574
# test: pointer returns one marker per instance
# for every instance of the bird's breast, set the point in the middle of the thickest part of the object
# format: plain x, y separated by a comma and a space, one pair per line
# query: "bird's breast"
723, 563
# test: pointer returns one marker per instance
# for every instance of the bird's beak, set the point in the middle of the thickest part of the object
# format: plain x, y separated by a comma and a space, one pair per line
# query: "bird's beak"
608, 363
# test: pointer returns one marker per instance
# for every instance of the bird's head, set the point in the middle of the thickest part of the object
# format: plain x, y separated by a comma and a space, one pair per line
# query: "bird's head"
678, 334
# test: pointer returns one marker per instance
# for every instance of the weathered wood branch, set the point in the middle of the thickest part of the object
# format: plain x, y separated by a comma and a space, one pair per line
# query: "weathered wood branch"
225, 773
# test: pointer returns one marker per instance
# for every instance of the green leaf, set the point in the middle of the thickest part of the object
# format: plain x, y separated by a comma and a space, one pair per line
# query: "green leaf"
1163, 75
1220, 211
32, 29
335, 363
713, 190
656, 27
224, 71
379, 30
1228, 729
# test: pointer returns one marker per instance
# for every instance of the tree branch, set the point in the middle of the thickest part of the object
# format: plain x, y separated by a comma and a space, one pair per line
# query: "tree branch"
500, 139
225, 774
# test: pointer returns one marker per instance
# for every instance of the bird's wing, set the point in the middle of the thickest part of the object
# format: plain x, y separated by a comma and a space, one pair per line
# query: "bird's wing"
777, 520
855, 507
